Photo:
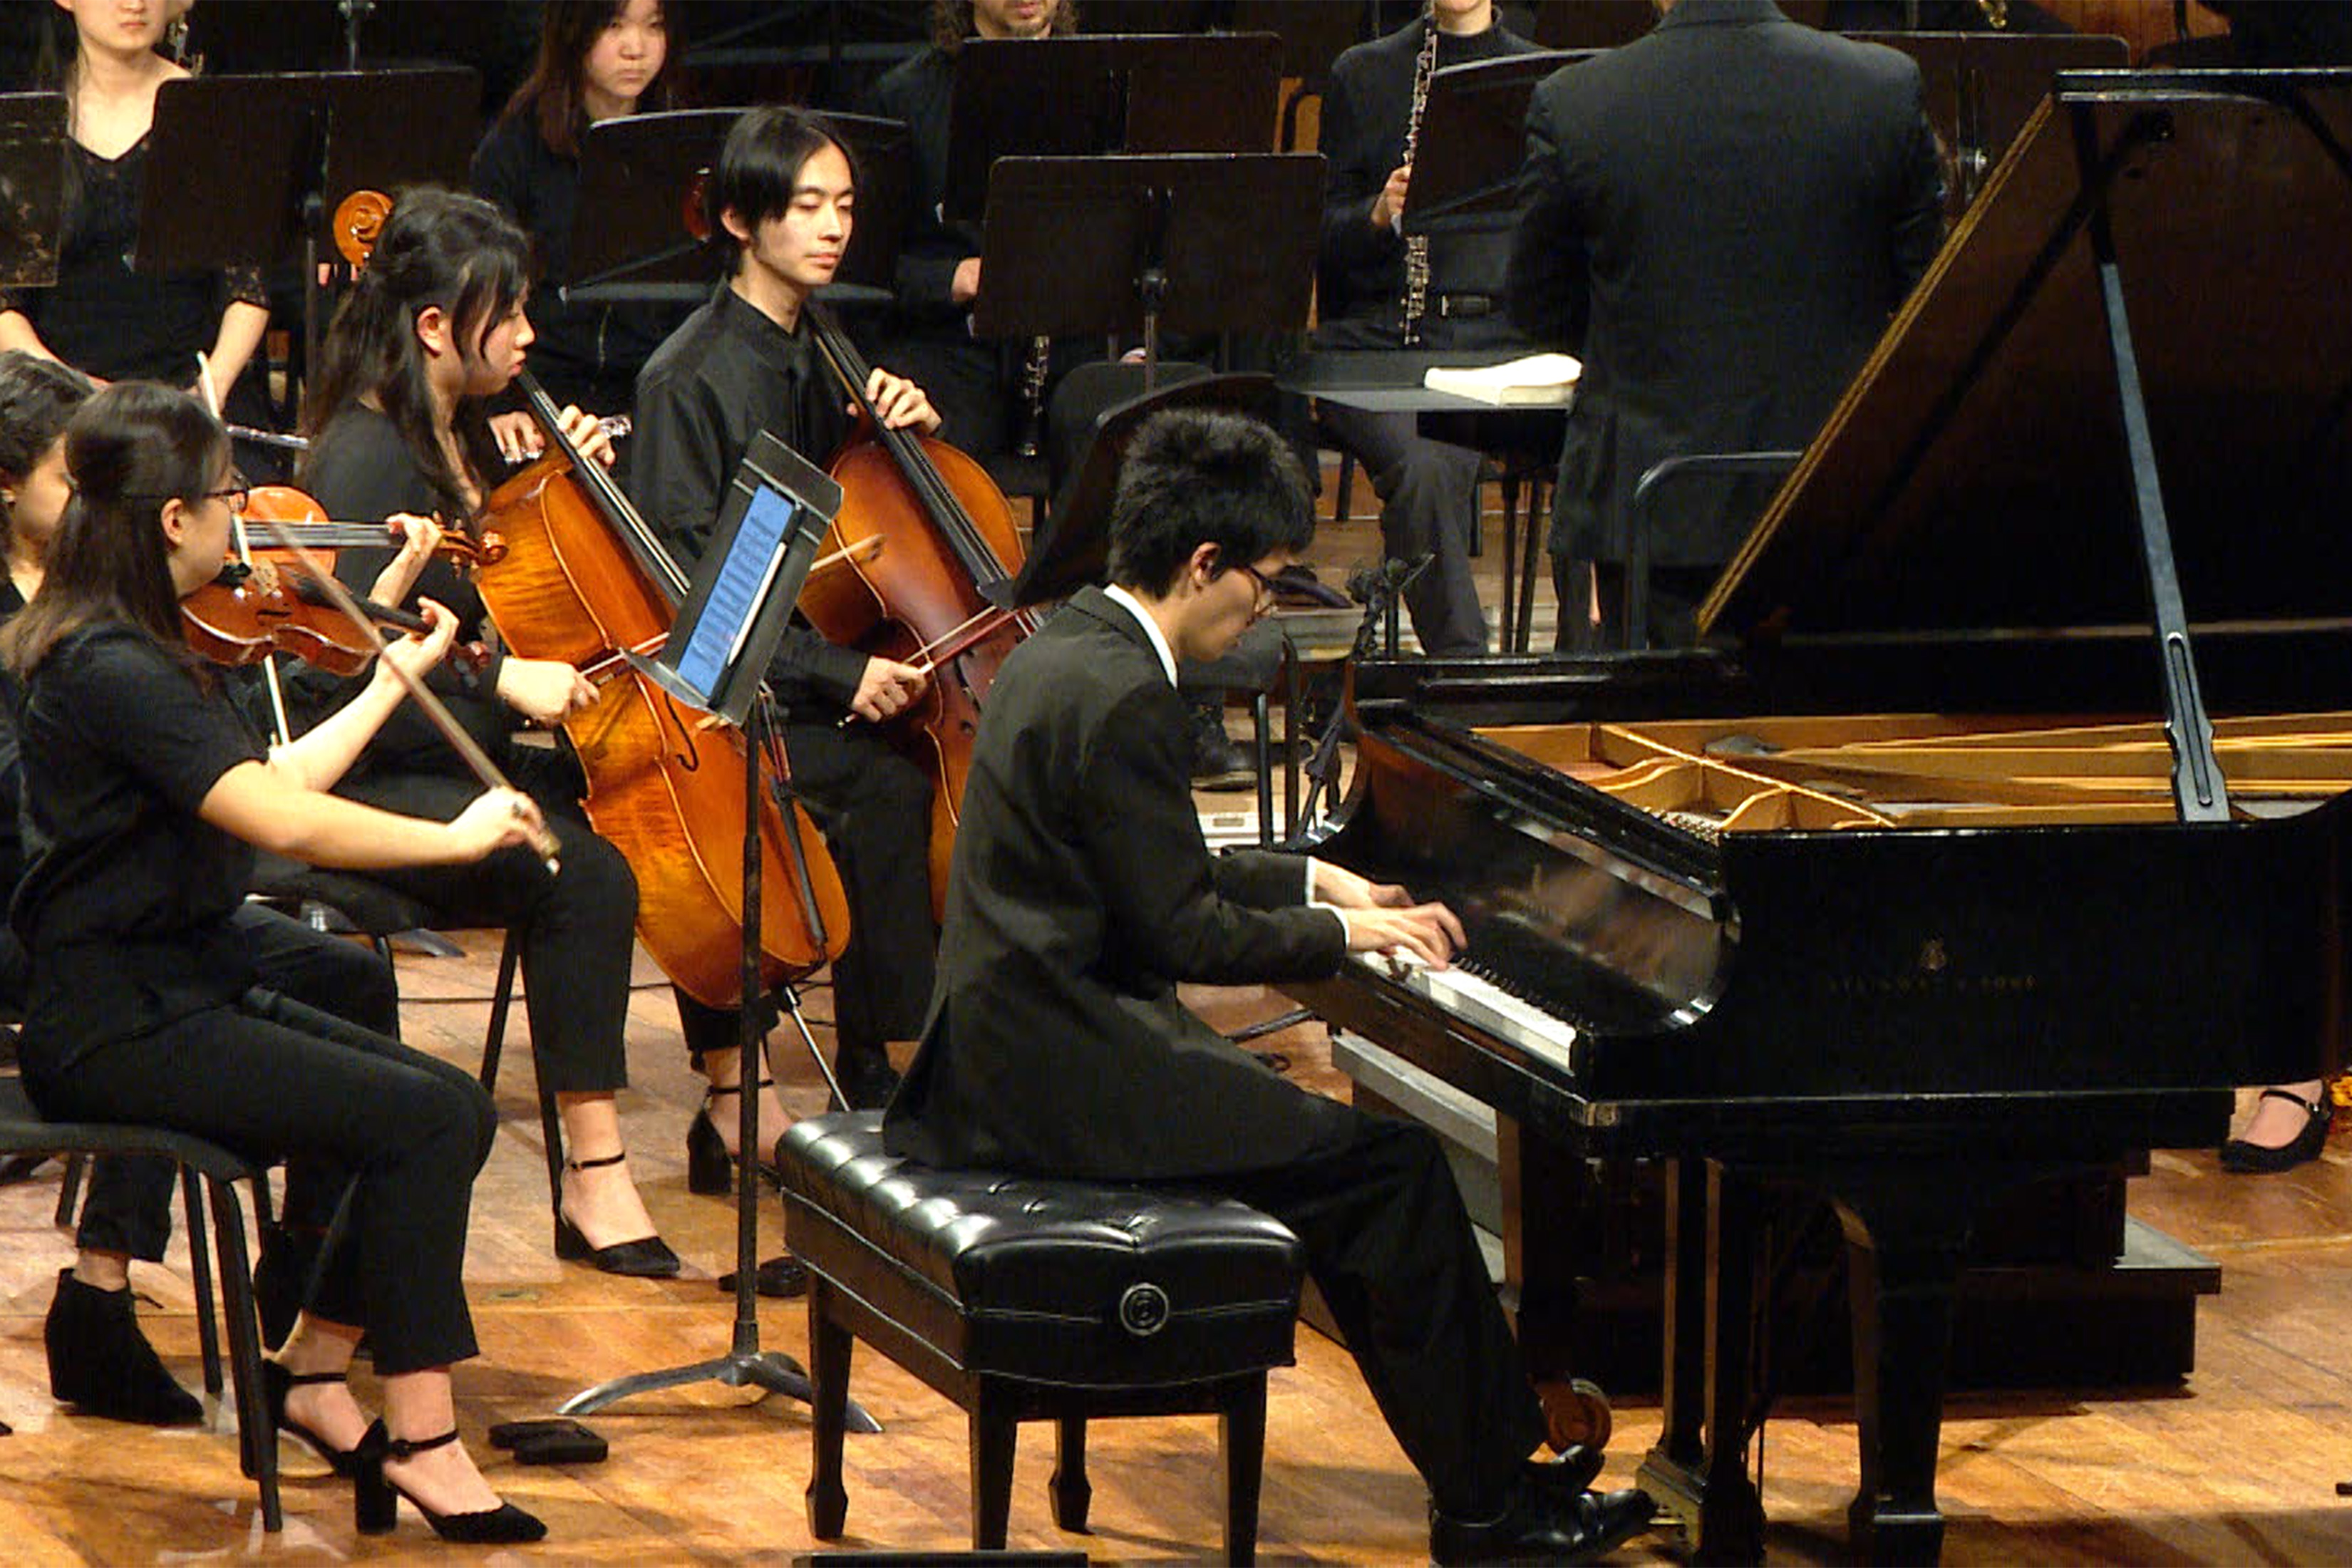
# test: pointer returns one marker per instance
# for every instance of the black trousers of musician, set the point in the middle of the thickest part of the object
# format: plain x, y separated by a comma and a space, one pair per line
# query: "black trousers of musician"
277, 1079
578, 927
874, 808
1429, 506
130, 1206
1391, 1248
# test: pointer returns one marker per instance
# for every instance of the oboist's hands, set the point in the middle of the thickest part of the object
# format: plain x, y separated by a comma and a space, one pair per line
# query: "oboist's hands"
1389, 205
964, 287
899, 403
1382, 918
885, 689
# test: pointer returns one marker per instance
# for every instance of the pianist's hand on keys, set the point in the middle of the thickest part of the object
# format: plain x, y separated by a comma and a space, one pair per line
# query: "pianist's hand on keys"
1381, 918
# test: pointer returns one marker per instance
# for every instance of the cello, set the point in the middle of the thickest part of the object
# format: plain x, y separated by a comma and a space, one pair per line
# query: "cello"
584, 580
929, 546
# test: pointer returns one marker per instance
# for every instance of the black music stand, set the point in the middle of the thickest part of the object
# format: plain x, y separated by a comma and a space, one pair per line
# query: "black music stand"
1189, 242
641, 185
247, 170
1474, 141
1978, 89
1077, 98
715, 660
32, 188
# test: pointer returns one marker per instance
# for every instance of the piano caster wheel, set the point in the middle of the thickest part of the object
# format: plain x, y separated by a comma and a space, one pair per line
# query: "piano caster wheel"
1576, 1412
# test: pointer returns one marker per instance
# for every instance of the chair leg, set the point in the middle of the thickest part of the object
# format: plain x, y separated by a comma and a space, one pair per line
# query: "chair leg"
200, 1278
257, 1437
69, 1189
494, 1043
1343, 505
1261, 754
1068, 1488
994, 1435
830, 1343
551, 1133
1241, 1432
1531, 554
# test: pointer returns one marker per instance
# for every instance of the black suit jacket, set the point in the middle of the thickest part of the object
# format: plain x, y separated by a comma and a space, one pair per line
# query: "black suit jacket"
1081, 893
1749, 200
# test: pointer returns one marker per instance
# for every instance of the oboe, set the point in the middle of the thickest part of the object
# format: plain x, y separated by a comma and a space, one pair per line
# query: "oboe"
1416, 245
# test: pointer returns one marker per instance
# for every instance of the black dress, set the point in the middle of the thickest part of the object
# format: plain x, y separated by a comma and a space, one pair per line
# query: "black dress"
106, 318
143, 1005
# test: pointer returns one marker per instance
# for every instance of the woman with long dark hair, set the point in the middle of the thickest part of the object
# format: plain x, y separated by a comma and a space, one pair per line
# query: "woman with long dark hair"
598, 59
145, 796
433, 329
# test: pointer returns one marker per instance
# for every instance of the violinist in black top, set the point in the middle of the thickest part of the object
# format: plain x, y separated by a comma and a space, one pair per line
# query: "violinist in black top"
98, 1360
144, 799
780, 203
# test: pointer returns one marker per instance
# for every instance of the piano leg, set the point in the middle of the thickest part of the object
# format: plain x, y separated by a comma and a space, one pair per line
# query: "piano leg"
1699, 1471
1906, 1238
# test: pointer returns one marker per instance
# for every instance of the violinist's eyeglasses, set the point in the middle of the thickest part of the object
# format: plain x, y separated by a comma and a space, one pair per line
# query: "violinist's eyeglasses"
236, 493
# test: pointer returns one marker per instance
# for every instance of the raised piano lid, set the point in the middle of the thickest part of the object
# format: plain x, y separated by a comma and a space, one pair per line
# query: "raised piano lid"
1974, 477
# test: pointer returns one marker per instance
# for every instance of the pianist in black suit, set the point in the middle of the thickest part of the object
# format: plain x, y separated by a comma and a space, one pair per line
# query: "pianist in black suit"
1741, 203
1082, 893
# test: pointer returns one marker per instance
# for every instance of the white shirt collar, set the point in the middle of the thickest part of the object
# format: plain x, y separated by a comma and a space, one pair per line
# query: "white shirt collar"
1134, 607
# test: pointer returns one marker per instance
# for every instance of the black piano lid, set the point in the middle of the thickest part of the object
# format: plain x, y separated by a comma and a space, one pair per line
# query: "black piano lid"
1974, 476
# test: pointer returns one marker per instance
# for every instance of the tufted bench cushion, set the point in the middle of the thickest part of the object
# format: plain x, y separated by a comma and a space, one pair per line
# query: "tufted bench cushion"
1073, 1283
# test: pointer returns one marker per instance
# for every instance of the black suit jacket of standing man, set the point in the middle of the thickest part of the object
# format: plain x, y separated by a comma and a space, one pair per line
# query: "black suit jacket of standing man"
1082, 892
1750, 200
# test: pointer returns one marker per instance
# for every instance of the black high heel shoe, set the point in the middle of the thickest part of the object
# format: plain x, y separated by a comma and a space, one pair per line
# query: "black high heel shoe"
647, 1257
709, 1168
375, 1497
276, 1384
2252, 1159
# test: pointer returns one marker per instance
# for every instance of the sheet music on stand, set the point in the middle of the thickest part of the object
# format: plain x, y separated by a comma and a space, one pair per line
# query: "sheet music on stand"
32, 188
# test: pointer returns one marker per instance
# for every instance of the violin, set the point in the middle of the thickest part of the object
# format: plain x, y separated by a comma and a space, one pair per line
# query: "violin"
253, 610
302, 518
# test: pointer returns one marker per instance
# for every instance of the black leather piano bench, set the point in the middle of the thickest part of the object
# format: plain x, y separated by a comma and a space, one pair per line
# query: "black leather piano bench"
1025, 1299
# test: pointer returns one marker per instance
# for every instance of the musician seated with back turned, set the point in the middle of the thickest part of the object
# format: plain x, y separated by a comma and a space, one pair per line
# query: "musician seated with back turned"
780, 205
1083, 892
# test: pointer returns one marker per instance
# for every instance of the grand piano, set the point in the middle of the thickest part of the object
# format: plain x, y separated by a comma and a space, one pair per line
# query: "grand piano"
1998, 832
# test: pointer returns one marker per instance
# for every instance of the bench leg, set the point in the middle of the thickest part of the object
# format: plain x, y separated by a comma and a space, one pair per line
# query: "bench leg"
1241, 1432
1069, 1488
829, 1346
994, 1435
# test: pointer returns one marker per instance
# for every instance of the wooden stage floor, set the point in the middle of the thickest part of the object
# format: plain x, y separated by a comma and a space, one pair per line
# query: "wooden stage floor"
2239, 1465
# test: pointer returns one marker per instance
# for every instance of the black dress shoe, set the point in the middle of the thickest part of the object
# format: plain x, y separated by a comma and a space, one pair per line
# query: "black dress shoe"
102, 1364
1540, 1527
2252, 1159
1217, 762
866, 1077
646, 1258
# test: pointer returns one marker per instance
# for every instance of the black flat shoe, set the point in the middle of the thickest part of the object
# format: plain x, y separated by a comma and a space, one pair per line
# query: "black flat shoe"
2255, 1159
102, 1366
709, 1168
276, 1384
646, 1258
375, 1497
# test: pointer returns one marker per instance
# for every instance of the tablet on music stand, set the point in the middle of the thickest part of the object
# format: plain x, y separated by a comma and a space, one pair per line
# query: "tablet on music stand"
32, 188
1474, 139
777, 508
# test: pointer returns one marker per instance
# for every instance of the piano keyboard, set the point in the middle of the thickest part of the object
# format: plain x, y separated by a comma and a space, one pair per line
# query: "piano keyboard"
1478, 1002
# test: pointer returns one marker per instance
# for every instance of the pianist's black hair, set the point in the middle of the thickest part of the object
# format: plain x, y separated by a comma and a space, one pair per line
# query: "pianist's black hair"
759, 165
1203, 476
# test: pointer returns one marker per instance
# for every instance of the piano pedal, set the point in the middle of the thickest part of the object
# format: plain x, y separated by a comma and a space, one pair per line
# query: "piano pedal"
1575, 1411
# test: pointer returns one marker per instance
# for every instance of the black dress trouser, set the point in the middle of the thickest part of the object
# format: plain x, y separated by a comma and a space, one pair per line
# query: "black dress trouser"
874, 808
129, 1206
1429, 507
578, 927
1391, 1246
275, 1080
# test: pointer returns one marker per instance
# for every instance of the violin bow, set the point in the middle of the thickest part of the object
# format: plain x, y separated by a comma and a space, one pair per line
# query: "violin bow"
433, 708
211, 390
